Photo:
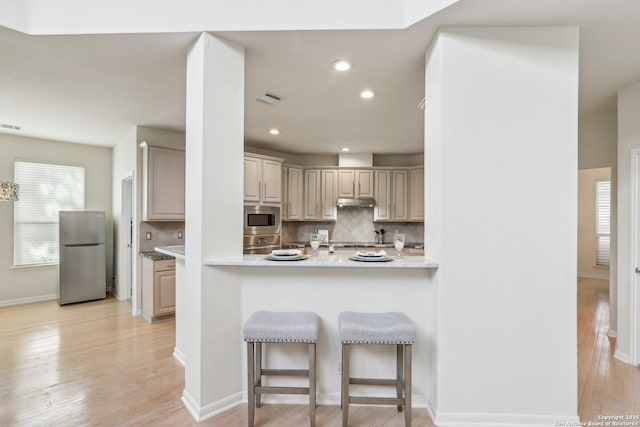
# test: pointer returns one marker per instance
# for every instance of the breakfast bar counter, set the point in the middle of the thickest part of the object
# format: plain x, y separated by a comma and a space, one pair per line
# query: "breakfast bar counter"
239, 285
323, 260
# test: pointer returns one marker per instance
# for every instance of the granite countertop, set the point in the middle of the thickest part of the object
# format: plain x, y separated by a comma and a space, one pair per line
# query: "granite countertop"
416, 245
156, 256
331, 261
176, 251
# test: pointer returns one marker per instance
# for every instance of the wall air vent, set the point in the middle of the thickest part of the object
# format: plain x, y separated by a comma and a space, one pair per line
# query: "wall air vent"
7, 126
269, 98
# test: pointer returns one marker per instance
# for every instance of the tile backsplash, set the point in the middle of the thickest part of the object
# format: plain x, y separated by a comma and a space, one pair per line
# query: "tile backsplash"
354, 224
162, 234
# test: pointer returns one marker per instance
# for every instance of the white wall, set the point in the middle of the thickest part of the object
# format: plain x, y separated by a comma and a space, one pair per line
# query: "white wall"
587, 179
597, 140
501, 158
33, 284
628, 139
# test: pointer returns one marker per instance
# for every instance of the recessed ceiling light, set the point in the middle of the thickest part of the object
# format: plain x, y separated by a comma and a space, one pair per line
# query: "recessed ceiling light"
345, 149
341, 65
274, 131
367, 94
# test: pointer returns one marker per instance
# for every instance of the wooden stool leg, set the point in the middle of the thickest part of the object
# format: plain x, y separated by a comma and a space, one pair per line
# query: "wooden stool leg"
251, 399
258, 373
312, 384
346, 348
407, 385
399, 371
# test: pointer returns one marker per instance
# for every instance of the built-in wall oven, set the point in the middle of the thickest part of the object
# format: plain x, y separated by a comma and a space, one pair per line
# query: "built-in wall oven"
261, 229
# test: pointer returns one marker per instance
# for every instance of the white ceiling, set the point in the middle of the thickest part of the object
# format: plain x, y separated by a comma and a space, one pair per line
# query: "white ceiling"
93, 88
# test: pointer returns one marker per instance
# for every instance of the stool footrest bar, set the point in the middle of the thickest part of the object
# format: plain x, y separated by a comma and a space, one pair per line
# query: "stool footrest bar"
282, 390
376, 400
372, 381
286, 372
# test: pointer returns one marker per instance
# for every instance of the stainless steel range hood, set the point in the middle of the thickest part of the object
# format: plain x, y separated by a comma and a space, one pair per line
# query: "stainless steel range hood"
364, 202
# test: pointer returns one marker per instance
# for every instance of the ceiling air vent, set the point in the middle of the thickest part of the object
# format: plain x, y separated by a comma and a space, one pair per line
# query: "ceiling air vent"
269, 98
9, 127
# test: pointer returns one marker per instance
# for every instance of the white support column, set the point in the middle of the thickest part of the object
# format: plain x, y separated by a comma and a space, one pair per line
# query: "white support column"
214, 179
501, 161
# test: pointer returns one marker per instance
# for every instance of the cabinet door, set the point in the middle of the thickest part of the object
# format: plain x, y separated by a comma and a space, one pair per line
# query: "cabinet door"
400, 180
165, 292
294, 204
382, 210
284, 213
252, 177
364, 183
165, 183
345, 183
312, 194
329, 195
417, 195
271, 181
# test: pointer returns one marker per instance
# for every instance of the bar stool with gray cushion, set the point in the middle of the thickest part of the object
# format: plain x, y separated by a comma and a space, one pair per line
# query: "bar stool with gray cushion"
378, 328
280, 327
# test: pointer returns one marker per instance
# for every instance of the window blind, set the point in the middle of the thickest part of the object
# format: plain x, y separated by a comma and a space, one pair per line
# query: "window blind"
45, 190
603, 223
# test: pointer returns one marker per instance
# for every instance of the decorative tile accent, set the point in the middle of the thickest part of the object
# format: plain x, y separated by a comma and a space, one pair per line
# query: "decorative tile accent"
162, 234
354, 224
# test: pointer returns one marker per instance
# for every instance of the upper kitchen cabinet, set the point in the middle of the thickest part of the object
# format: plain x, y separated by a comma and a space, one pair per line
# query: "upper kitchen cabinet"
262, 179
416, 210
320, 195
163, 177
355, 183
292, 191
391, 187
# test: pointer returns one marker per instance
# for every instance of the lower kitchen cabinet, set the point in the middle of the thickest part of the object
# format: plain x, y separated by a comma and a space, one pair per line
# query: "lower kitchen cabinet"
158, 289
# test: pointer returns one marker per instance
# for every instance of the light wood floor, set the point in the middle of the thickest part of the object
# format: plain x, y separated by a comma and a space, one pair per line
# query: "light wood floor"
95, 364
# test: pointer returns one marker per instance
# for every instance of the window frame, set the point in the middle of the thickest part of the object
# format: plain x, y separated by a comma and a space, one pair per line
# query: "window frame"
23, 194
599, 263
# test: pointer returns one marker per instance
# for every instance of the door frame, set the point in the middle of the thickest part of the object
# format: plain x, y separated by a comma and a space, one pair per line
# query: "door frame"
127, 236
634, 261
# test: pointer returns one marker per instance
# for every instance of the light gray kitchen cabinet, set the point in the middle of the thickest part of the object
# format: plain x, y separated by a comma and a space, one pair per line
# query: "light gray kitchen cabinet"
391, 188
158, 289
355, 183
416, 203
292, 190
320, 194
262, 179
163, 178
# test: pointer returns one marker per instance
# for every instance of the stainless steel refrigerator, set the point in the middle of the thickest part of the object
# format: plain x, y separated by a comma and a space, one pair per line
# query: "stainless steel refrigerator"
82, 268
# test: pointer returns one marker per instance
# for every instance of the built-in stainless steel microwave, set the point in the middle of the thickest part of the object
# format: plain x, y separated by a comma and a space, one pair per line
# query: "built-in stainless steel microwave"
261, 220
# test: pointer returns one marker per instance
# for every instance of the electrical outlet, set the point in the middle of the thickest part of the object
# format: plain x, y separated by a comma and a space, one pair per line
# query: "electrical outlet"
179, 234
339, 368
148, 235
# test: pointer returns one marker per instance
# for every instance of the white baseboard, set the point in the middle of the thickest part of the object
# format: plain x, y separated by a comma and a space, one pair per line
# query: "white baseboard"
623, 357
594, 276
212, 409
503, 420
611, 333
179, 355
135, 312
28, 300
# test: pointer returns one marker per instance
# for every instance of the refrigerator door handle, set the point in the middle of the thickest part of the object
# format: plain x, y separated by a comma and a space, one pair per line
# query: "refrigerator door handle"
81, 245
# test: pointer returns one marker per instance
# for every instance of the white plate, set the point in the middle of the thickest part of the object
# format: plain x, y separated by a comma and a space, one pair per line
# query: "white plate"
371, 258
286, 258
286, 252
370, 254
